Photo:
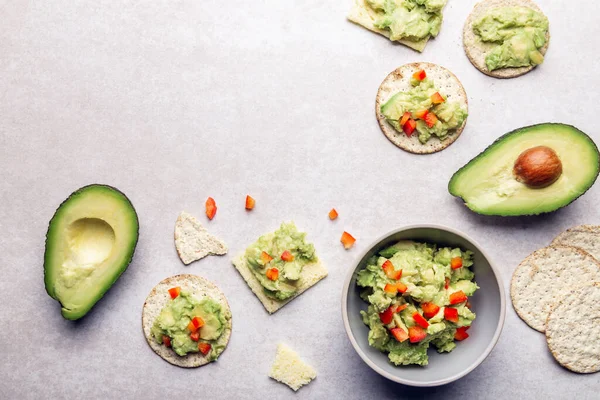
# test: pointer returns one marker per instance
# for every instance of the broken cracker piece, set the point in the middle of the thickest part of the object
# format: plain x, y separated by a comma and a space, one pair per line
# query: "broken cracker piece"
193, 242
288, 368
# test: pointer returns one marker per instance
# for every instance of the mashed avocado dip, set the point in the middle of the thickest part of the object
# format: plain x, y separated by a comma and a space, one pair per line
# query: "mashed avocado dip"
424, 109
276, 260
518, 34
408, 19
417, 297
189, 325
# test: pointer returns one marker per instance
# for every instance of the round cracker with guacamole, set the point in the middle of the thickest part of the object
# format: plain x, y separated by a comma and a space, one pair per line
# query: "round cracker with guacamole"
421, 107
187, 321
506, 38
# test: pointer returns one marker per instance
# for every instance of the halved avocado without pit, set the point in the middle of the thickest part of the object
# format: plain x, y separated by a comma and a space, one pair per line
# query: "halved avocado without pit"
532, 170
90, 242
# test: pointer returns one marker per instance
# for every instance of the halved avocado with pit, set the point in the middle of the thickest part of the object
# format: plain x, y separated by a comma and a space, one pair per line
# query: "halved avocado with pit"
90, 242
532, 170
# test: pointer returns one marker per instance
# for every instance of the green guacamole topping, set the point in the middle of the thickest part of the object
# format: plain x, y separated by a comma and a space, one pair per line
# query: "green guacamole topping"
175, 317
408, 19
517, 33
450, 114
287, 237
424, 272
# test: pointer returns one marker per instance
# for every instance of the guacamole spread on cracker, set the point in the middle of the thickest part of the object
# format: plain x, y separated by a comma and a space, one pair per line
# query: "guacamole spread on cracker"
517, 34
418, 297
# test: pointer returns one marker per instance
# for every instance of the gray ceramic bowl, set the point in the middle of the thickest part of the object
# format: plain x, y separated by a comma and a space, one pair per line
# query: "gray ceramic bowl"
488, 303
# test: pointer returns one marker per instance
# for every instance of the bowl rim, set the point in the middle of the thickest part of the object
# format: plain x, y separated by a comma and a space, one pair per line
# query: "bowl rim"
460, 374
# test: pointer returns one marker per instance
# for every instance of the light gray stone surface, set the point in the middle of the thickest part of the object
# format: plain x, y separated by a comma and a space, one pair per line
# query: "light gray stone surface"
174, 101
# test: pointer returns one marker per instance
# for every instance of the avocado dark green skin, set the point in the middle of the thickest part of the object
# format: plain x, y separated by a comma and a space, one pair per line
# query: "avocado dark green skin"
47, 283
500, 140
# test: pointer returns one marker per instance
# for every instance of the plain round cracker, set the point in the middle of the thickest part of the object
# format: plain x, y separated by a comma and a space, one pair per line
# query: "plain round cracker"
477, 50
398, 81
585, 237
159, 297
542, 277
573, 329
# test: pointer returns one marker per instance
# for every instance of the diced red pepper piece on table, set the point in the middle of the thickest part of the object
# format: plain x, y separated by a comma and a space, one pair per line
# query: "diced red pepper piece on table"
431, 119
272, 274
204, 347
399, 334
430, 309
409, 127
390, 271
456, 263
250, 202
333, 214
419, 320
174, 292
265, 257
458, 297
416, 334
166, 341
387, 316
420, 75
437, 98
447, 283
211, 208
405, 117
451, 314
421, 114
461, 333
347, 240
195, 336
287, 256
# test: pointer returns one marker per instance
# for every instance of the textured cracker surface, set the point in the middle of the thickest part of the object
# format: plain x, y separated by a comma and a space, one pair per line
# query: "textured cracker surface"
311, 274
159, 297
193, 242
399, 81
586, 237
289, 369
477, 50
540, 280
573, 329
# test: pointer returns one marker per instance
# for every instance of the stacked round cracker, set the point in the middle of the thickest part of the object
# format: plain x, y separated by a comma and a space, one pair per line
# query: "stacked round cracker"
399, 81
556, 290
477, 50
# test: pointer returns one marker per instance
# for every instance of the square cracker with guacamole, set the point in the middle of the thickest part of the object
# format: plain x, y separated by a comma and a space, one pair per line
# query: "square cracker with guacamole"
280, 266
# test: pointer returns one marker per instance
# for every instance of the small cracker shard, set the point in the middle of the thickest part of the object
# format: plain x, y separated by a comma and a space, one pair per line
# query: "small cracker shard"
573, 329
288, 368
193, 241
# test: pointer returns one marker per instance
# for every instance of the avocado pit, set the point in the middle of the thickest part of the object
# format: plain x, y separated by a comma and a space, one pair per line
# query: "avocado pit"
538, 167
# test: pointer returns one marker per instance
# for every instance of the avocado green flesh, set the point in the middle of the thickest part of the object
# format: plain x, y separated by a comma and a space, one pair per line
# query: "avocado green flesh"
487, 185
90, 242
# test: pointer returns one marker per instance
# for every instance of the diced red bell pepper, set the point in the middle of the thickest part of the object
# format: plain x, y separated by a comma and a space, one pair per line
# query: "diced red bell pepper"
405, 117
204, 347
461, 333
430, 309
451, 314
447, 283
287, 256
265, 257
416, 334
399, 334
400, 308
421, 114
420, 75
390, 271
401, 287
272, 274
195, 336
211, 208
437, 98
166, 341
174, 292
431, 119
387, 316
456, 263
333, 214
191, 327
458, 297
419, 320
394, 288
347, 240
195, 324
409, 127
250, 202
